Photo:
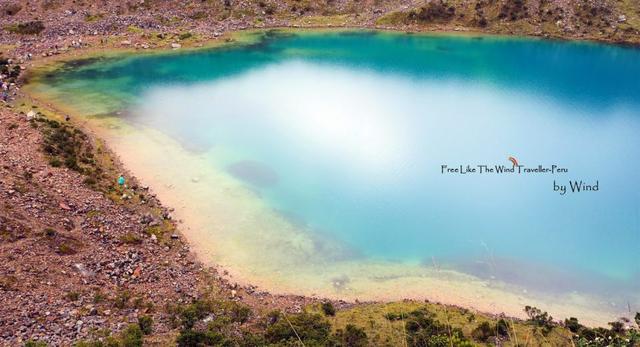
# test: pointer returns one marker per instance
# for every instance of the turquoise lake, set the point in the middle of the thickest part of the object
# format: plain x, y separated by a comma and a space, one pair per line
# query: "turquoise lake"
344, 136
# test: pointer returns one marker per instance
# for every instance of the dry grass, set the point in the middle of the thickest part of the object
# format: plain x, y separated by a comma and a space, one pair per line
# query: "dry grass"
383, 332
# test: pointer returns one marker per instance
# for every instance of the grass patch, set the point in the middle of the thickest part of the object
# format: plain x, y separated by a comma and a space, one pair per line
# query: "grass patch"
28, 28
122, 299
131, 239
185, 36
135, 30
66, 248
392, 18
385, 324
73, 296
93, 17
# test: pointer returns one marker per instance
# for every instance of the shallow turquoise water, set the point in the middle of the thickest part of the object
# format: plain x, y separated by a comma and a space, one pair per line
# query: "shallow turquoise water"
346, 133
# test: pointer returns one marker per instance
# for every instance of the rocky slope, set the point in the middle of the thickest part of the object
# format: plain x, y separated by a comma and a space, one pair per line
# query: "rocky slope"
79, 255
46, 25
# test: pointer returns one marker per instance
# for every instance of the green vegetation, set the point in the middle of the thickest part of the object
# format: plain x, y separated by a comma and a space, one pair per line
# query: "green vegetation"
73, 296
146, 324
328, 309
130, 238
308, 328
122, 299
351, 336
198, 15
28, 28
68, 146
31, 343
135, 30
185, 36
12, 72
93, 17
433, 12
539, 319
131, 336
66, 248
422, 328
617, 335
98, 297
513, 10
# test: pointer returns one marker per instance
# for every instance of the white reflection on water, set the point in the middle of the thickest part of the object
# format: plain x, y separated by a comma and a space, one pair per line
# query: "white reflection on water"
357, 154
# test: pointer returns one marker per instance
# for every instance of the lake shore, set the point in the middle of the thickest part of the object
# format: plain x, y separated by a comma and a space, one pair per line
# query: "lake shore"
205, 231
46, 55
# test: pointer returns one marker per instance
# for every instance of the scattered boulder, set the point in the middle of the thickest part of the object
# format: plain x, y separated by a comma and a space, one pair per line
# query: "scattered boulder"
32, 115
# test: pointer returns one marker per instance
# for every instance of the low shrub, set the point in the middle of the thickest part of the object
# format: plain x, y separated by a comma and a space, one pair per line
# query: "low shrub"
192, 313
434, 11
130, 238
191, 338
513, 10
502, 328
351, 336
328, 309
618, 335
132, 336
311, 329
423, 329
146, 324
122, 299
238, 313
483, 332
73, 296
28, 28
50, 232
65, 248
185, 36
539, 319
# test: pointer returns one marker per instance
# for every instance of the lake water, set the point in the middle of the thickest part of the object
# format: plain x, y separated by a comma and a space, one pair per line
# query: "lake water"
312, 163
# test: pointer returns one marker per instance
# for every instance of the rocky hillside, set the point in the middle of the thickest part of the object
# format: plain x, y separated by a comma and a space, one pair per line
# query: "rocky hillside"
55, 20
